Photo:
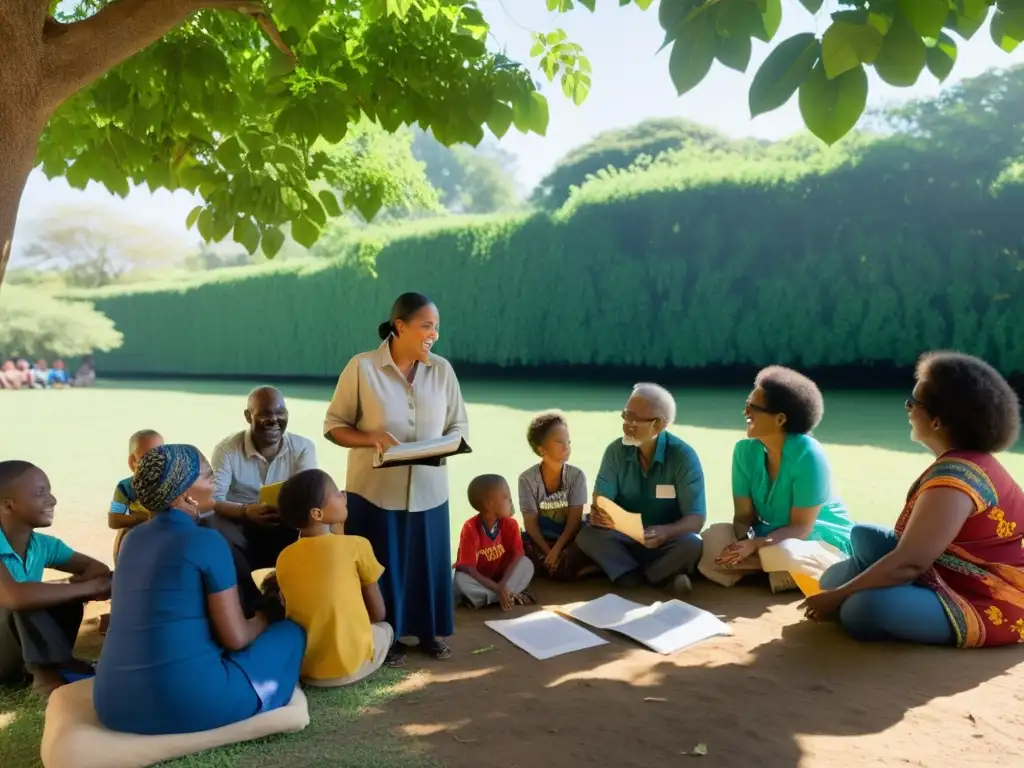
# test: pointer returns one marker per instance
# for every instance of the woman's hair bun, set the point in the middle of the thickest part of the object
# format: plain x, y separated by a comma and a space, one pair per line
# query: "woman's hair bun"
385, 329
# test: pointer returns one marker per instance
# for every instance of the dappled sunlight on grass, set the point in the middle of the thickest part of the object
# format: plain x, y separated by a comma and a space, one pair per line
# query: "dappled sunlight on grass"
420, 680
417, 729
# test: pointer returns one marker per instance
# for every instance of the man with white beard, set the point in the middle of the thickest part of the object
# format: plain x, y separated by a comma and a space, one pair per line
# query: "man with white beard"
654, 474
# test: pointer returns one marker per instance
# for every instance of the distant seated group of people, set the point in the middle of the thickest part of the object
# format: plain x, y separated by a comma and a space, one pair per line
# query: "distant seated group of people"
193, 643
21, 375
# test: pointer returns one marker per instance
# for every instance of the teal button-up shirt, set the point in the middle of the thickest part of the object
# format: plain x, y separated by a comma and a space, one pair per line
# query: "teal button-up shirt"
42, 552
672, 487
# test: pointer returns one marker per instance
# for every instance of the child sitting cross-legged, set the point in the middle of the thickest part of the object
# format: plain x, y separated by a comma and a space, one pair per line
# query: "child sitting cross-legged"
491, 566
328, 582
552, 496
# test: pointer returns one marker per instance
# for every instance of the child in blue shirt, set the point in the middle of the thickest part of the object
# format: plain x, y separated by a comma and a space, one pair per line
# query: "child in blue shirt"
125, 510
39, 621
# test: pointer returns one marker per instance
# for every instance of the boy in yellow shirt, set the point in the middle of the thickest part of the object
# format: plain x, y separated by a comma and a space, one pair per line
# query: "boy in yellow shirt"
328, 583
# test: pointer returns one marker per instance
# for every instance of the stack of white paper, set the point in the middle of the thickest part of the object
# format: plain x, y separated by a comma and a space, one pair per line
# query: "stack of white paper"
663, 627
543, 634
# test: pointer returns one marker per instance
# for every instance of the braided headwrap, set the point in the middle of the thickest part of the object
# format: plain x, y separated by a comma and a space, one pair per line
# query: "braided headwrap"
164, 474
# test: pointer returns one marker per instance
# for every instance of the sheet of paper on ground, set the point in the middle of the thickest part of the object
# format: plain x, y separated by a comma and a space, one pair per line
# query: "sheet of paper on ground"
544, 634
628, 523
663, 627
431, 452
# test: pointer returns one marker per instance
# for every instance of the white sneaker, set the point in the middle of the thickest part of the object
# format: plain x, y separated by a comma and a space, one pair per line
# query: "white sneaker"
681, 584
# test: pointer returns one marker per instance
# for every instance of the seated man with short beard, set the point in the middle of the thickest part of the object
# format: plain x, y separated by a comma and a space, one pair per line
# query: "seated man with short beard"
654, 474
263, 454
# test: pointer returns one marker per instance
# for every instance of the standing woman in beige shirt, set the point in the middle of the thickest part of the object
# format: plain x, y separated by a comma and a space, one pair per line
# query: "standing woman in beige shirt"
401, 393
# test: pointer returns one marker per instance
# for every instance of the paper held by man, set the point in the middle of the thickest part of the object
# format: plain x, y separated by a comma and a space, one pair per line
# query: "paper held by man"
270, 493
428, 452
627, 523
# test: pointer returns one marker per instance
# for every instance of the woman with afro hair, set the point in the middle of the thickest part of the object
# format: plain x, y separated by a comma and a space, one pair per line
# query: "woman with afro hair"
952, 571
781, 486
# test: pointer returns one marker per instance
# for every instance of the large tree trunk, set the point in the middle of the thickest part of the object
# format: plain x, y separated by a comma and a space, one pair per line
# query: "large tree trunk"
22, 115
20, 137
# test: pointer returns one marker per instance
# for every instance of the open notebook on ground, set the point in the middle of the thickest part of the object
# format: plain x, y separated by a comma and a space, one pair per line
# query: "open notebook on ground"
429, 452
663, 627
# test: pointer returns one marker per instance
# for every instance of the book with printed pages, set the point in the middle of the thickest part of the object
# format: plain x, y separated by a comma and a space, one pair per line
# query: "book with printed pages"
663, 627
431, 453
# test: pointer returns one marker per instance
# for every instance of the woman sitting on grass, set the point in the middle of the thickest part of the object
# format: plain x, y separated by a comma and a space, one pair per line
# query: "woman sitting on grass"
952, 573
781, 483
552, 495
180, 656
328, 582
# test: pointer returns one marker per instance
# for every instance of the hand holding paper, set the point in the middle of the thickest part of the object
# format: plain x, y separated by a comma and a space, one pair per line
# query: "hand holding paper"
627, 523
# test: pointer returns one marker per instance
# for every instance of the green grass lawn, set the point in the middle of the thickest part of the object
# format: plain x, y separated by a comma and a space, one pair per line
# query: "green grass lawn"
80, 438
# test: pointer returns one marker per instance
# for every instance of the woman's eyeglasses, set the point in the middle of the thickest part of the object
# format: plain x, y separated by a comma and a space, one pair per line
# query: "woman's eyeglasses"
758, 408
912, 403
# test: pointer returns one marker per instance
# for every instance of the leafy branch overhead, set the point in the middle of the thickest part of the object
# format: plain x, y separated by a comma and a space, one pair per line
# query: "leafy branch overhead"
243, 114
240, 101
898, 38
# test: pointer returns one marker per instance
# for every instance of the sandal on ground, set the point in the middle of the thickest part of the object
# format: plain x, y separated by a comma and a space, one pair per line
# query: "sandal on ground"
396, 656
523, 598
436, 648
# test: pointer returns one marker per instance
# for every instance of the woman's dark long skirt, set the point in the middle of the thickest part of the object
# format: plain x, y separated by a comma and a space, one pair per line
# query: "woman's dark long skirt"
415, 550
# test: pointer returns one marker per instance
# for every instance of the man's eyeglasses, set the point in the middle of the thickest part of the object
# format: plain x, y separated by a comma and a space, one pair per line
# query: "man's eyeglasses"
631, 418
759, 408
912, 403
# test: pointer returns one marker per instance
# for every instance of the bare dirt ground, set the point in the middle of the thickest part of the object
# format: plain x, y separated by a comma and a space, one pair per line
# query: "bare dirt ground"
781, 692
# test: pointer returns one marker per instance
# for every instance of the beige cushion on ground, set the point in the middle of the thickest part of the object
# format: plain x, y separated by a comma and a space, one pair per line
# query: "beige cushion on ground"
74, 738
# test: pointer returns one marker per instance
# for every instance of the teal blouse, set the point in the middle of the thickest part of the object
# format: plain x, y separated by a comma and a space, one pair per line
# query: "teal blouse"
804, 480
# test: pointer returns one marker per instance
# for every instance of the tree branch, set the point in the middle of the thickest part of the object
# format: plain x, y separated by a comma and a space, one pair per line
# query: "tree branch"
81, 52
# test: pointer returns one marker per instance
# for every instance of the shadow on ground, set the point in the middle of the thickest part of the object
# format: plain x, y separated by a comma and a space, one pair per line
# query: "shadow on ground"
874, 419
764, 697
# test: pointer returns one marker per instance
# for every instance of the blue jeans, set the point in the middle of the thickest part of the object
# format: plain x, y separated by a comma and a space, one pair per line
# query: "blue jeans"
907, 612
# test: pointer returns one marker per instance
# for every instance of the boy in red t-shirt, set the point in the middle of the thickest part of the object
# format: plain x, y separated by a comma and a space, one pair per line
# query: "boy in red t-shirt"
491, 566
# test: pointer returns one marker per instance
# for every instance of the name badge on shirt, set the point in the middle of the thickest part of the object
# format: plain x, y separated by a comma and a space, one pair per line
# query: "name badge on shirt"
665, 492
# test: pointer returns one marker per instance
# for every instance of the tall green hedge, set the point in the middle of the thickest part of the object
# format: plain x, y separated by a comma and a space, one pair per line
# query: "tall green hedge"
873, 258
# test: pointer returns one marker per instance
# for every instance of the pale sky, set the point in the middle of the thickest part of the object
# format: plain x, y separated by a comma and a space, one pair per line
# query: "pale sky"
630, 84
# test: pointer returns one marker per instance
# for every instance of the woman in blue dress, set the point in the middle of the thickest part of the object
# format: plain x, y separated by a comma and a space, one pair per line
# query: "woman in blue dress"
179, 656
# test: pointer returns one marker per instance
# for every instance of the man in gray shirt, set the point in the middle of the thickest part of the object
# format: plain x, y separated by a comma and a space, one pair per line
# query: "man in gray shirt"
265, 453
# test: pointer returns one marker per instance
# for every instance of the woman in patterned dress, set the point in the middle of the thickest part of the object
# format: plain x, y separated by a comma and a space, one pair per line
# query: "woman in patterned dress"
952, 571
